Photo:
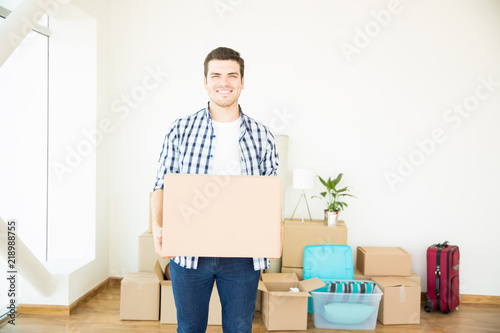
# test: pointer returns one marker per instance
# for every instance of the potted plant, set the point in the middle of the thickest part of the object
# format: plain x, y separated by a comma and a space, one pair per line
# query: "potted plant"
333, 198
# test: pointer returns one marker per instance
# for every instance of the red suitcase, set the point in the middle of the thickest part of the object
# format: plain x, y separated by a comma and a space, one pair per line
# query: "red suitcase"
442, 277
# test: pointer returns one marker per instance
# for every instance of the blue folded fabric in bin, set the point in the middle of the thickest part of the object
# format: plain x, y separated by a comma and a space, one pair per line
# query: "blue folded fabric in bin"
345, 313
351, 287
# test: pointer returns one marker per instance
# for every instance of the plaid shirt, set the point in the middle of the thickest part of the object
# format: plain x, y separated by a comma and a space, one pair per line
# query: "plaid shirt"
188, 148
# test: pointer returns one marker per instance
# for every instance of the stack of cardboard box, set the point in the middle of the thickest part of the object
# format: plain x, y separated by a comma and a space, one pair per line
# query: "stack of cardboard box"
298, 235
149, 296
390, 269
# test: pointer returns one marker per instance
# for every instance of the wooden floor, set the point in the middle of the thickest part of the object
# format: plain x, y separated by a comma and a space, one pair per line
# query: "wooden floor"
102, 314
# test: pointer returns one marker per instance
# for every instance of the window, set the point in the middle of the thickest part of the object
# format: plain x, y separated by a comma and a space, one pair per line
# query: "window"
23, 142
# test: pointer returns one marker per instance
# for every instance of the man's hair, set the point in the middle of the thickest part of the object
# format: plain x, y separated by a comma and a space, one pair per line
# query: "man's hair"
224, 53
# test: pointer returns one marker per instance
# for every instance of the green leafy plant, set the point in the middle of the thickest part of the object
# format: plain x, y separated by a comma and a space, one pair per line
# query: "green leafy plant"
332, 197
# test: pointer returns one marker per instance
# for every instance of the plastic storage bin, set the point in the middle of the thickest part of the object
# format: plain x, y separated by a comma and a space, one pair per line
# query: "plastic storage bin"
346, 310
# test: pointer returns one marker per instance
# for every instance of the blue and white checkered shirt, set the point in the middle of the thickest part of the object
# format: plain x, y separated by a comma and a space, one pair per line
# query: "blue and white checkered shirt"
188, 148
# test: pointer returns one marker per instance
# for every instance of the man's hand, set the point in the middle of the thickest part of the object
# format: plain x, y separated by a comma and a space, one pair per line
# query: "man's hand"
157, 214
158, 240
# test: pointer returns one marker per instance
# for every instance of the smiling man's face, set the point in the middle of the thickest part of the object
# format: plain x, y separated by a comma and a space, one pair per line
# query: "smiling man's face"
224, 83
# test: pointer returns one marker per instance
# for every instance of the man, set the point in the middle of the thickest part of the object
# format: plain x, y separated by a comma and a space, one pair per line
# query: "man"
219, 139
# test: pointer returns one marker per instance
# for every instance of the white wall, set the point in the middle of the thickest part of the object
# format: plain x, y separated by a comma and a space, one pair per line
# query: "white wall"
361, 114
72, 157
90, 275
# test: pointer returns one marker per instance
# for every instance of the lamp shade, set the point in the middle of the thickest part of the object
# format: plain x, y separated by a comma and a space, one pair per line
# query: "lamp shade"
303, 179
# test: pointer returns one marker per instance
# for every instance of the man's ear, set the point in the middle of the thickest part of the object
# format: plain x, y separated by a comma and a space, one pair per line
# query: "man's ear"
242, 82
205, 82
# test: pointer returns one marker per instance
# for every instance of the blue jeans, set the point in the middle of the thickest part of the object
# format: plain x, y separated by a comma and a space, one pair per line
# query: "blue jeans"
237, 283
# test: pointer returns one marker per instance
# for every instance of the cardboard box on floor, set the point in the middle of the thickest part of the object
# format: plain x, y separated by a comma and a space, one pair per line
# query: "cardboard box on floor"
400, 301
140, 296
141, 293
168, 313
383, 261
222, 216
298, 235
282, 309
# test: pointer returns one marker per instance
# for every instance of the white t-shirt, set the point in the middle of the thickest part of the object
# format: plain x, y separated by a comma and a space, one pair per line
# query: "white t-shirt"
227, 148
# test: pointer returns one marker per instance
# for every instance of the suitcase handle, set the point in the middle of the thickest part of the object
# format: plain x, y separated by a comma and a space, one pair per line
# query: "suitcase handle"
445, 244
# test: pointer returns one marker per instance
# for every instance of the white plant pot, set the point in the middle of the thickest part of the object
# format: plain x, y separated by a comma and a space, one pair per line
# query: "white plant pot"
332, 218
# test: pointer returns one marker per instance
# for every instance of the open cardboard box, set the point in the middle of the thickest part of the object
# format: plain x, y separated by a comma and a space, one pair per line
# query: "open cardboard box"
282, 309
221, 216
